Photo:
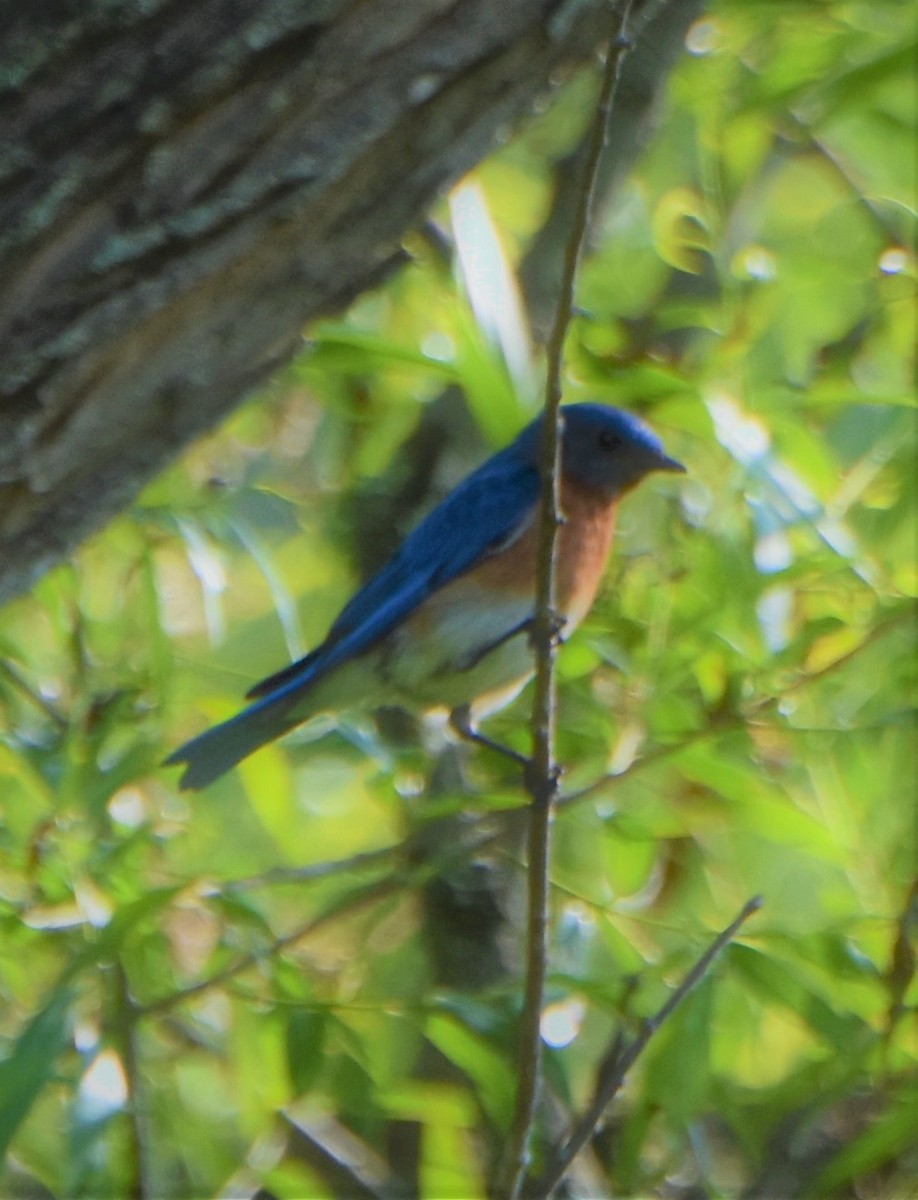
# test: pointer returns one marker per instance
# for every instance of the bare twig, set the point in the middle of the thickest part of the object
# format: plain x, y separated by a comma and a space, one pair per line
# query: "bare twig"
313, 871
30, 694
745, 718
542, 773
859, 190
350, 903
378, 889
622, 1058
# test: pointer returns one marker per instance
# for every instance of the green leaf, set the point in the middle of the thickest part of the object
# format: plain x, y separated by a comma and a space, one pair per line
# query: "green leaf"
492, 1076
776, 981
30, 1066
306, 1036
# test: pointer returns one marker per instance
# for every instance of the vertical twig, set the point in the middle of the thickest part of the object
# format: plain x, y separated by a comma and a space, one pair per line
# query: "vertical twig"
136, 1186
542, 772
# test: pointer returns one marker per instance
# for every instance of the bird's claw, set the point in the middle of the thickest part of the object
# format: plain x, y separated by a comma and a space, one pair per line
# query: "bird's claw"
540, 783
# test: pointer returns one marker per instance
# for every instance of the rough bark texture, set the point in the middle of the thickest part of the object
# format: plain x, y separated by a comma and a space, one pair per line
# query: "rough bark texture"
182, 186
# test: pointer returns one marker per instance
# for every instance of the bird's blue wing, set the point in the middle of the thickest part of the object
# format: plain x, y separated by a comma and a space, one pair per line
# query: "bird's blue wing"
488, 511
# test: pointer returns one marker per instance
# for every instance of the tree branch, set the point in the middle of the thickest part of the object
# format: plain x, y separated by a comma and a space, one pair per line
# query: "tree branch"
622, 1058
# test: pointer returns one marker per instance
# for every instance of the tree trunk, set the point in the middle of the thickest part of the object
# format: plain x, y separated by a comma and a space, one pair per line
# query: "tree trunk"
182, 186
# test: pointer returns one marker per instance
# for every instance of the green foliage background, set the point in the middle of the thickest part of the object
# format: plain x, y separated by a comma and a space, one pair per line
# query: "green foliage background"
738, 703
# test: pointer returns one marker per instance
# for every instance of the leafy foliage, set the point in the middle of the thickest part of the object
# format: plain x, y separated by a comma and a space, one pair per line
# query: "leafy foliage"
209, 993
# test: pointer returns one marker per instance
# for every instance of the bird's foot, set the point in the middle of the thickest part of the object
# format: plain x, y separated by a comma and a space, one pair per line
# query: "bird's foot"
540, 784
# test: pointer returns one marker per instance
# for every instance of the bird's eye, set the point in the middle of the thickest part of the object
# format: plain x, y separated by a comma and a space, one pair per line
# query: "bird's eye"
609, 440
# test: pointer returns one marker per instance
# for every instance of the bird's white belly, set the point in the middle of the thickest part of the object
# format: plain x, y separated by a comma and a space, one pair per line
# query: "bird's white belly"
463, 644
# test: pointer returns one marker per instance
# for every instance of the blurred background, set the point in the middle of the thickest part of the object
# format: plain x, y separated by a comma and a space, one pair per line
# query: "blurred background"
318, 958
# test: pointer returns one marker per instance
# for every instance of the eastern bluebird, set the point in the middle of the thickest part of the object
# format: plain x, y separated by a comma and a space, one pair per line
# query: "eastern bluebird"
447, 621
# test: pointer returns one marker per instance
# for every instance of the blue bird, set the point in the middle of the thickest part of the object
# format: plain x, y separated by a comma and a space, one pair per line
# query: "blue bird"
447, 620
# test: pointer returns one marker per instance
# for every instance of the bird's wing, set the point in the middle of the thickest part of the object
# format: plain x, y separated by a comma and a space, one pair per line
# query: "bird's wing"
484, 515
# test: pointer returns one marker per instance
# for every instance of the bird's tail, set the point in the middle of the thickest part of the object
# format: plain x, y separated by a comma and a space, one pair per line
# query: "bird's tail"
215, 751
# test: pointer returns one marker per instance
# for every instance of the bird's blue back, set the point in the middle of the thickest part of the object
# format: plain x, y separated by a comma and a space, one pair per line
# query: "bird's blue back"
480, 515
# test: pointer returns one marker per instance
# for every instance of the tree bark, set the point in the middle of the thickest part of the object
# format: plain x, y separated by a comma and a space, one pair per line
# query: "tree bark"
183, 186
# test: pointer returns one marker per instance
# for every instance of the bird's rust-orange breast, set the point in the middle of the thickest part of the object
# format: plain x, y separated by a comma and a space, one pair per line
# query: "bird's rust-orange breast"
583, 547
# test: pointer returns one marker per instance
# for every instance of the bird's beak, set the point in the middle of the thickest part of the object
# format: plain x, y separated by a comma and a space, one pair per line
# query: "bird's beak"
665, 463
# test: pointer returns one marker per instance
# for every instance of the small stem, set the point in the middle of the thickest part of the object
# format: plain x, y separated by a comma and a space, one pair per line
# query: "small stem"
351, 903
415, 873
319, 870
744, 719
31, 695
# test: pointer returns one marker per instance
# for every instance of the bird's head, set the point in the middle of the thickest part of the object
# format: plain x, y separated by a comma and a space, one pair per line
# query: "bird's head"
605, 449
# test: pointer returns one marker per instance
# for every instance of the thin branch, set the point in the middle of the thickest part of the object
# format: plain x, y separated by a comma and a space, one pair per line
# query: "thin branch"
745, 718
905, 613
622, 1058
370, 893
658, 754
350, 903
542, 774
31, 695
845, 173
136, 1155
320, 870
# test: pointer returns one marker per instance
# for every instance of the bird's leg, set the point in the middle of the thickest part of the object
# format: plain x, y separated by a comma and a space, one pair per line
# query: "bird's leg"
460, 720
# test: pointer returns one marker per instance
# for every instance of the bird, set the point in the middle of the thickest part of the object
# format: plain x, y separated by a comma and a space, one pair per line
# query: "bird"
447, 620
